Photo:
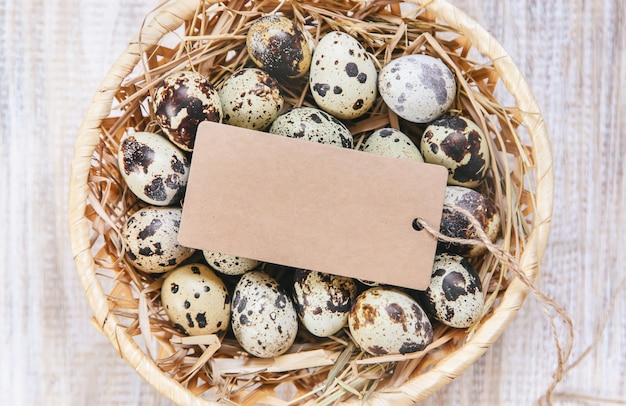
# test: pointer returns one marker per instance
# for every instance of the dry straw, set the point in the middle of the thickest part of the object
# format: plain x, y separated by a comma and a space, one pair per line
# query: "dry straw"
209, 37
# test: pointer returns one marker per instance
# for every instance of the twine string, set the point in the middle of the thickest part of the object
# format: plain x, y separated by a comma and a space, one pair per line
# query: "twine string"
509, 262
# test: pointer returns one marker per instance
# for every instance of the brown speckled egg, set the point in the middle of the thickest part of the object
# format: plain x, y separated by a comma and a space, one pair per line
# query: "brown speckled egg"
323, 301
393, 143
264, 319
278, 46
388, 321
229, 264
181, 102
455, 296
150, 238
250, 99
418, 88
153, 168
458, 144
343, 77
196, 300
456, 224
312, 124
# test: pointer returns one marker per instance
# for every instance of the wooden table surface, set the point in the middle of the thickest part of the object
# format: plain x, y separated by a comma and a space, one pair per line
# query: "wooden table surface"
53, 55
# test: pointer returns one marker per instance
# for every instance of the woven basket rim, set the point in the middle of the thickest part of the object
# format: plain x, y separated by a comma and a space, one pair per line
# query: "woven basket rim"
171, 17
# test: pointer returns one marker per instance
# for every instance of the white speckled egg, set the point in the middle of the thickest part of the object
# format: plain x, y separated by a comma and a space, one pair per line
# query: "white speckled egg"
323, 301
196, 300
455, 296
393, 143
342, 77
278, 46
181, 102
150, 238
264, 319
458, 144
312, 124
456, 224
153, 168
250, 99
388, 321
229, 264
418, 88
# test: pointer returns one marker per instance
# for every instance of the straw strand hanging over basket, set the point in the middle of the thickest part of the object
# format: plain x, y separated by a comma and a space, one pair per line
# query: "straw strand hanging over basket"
209, 37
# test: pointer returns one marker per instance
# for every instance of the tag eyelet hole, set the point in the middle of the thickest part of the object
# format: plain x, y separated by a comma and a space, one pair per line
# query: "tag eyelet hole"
417, 226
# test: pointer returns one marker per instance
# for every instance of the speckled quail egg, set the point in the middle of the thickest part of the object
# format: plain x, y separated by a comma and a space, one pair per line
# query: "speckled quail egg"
153, 168
418, 88
277, 45
196, 300
393, 143
250, 99
181, 102
229, 264
342, 77
388, 321
323, 301
150, 238
455, 295
456, 224
264, 319
369, 283
460, 145
312, 124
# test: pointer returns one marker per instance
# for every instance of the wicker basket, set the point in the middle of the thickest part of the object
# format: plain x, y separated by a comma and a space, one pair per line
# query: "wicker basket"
209, 36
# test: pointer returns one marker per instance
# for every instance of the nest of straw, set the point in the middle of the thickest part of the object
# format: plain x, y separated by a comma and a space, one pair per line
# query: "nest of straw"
209, 38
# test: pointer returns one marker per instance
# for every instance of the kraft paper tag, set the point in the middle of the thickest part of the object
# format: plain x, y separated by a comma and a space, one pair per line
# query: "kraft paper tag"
312, 206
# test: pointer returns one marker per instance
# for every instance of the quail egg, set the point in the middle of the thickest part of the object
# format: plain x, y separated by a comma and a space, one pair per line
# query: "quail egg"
196, 300
312, 124
388, 321
251, 99
455, 224
455, 295
323, 301
277, 45
150, 238
393, 143
229, 264
343, 77
371, 284
153, 168
460, 145
418, 88
264, 319
181, 102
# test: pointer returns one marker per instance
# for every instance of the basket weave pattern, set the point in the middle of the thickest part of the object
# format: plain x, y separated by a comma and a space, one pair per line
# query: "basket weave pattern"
209, 37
